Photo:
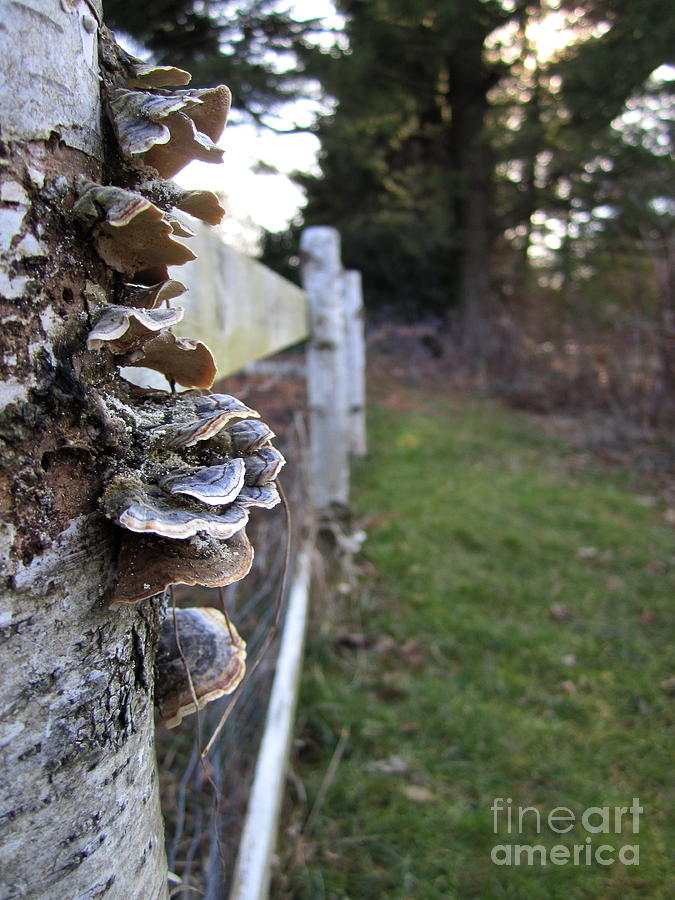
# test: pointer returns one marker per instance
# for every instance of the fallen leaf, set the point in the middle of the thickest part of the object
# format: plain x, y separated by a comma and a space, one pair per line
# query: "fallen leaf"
393, 765
615, 583
587, 552
567, 687
350, 639
419, 794
569, 660
414, 653
384, 644
560, 613
390, 694
648, 618
409, 727
669, 685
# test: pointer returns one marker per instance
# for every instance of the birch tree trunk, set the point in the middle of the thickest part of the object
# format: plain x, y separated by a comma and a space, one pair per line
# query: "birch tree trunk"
79, 808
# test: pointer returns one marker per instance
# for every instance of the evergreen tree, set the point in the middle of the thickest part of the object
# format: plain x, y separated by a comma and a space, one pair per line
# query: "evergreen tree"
222, 42
441, 144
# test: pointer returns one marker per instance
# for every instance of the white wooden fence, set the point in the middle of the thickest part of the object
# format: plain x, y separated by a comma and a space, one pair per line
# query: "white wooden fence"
246, 312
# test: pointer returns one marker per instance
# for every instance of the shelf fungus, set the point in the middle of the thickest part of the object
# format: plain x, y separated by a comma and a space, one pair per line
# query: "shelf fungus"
203, 205
153, 296
191, 467
210, 649
167, 130
121, 329
147, 508
132, 235
248, 436
141, 337
187, 362
203, 417
136, 73
213, 485
145, 75
148, 564
184, 468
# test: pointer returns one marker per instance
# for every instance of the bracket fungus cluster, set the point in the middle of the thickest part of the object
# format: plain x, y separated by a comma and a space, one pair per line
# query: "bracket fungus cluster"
187, 467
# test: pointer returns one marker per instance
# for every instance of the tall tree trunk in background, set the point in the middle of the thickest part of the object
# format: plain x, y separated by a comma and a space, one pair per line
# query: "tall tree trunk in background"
79, 809
472, 169
531, 142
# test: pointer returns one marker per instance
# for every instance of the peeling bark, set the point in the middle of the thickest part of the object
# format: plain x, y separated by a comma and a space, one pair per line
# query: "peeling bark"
79, 808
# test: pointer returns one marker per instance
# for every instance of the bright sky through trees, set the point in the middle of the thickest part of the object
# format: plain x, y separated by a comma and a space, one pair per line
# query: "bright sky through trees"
258, 162
256, 197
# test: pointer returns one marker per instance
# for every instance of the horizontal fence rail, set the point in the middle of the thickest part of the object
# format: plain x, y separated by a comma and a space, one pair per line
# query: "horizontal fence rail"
240, 308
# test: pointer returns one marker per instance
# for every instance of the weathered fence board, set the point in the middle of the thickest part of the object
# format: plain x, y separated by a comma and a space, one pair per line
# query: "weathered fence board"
237, 306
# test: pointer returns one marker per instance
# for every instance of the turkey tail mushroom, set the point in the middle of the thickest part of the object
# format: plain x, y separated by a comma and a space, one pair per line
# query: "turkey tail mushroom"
203, 205
213, 485
184, 492
152, 297
131, 233
138, 74
147, 508
169, 130
182, 360
144, 75
185, 467
120, 329
148, 564
207, 416
204, 642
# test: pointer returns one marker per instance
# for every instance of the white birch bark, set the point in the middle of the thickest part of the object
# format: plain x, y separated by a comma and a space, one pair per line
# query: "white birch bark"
79, 808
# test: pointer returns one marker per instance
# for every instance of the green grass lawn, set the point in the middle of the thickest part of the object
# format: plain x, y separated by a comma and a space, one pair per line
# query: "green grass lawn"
511, 637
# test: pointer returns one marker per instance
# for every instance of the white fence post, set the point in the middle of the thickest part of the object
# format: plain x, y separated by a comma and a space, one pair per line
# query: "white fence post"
355, 350
336, 395
326, 363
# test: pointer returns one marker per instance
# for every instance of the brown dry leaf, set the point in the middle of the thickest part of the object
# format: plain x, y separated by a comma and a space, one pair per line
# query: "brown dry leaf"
648, 618
384, 644
560, 613
350, 639
419, 794
567, 687
615, 583
587, 552
393, 765
668, 685
414, 653
409, 727
669, 516
390, 694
